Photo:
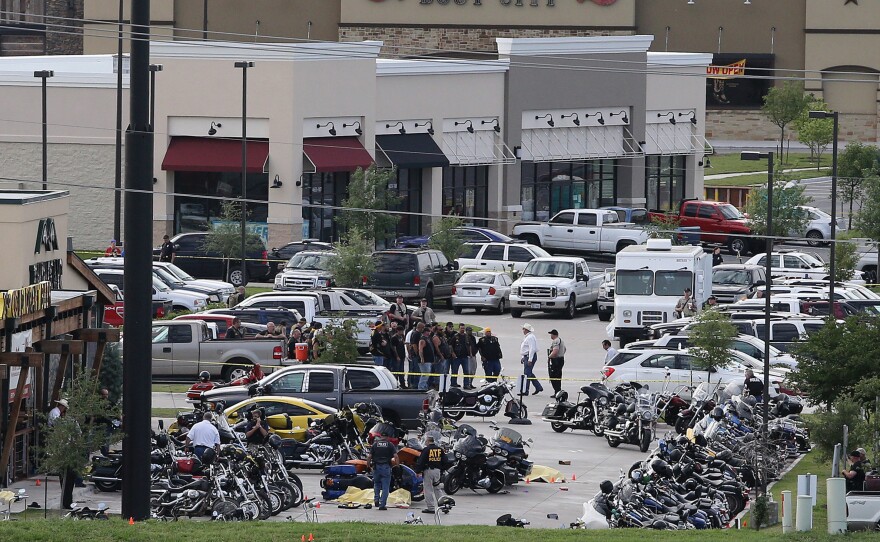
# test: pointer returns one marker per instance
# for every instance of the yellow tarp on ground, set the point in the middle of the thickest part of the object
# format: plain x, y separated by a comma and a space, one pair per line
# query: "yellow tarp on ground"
541, 473
6, 497
399, 497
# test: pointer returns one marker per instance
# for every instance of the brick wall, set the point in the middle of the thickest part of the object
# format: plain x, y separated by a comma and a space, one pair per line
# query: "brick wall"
752, 125
420, 40
69, 40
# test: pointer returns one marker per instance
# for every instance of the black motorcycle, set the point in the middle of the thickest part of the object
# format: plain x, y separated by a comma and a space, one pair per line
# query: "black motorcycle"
330, 442
631, 423
472, 467
484, 402
585, 414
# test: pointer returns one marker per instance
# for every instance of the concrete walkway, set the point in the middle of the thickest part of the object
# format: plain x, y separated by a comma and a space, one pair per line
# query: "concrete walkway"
745, 173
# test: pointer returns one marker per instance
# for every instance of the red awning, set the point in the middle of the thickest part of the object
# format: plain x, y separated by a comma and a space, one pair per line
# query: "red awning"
213, 154
330, 154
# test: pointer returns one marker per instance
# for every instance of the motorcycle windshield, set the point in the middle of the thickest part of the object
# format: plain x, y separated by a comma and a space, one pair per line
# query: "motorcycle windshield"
468, 446
509, 436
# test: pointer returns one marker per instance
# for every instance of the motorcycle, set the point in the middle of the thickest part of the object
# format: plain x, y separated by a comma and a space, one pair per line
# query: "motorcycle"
632, 423
484, 402
471, 467
509, 445
585, 414
331, 441
194, 393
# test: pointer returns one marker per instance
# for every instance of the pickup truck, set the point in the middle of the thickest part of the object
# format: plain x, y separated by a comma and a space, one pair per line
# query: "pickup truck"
863, 510
335, 386
719, 223
555, 284
732, 282
183, 348
306, 270
588, 230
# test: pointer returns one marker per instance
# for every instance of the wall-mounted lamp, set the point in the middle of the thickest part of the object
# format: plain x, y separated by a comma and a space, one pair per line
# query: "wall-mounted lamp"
427, 123
705, 163
547, 116
670, 114
693, 115
357, 129
517, 152
299, 182
402, 130
470, 125
598, 114
576, 120
276, 183
331, 125
623, 117
497, 126
213, 129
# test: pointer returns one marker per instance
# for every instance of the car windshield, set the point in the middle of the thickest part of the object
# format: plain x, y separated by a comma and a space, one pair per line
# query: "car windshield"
638, 282
477, 235
477, 278
160, 286
365, 297
730, 212
310, 261
549, 269
812, 261
668, 283
540, 252
178, 272
166, 277
730, 276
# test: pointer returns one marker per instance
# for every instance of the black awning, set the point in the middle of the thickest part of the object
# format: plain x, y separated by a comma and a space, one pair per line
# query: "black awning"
411, 151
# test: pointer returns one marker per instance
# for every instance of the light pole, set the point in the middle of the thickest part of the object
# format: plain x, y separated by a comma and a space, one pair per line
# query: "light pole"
767, 291
117, 180
244, 65
45, 74
153, 69
832, 115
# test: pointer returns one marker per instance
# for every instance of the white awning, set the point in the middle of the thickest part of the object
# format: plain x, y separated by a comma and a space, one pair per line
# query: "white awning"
480, 148
568, 144
675, 139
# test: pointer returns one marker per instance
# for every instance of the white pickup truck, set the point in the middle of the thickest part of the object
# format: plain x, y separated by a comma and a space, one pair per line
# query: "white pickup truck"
587, 230
554, 284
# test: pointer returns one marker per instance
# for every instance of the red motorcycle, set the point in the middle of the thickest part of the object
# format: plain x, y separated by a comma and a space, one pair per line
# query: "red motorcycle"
194, 394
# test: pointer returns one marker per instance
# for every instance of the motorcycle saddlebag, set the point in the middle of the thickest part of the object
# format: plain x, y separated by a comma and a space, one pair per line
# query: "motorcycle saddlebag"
549, 410
360, 465
341, 470
408, 456
186, 465
512, 410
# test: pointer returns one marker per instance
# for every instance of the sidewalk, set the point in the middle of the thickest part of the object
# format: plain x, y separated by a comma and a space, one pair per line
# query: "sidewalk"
743, 174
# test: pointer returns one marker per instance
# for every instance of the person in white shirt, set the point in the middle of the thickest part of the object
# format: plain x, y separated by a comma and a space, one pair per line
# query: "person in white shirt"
610, 352
204, 435
60, 409
528, 351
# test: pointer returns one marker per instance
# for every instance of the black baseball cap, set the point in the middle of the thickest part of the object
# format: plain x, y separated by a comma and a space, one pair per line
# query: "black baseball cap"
554, 332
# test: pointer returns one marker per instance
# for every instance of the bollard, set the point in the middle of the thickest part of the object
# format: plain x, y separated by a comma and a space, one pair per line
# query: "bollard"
804, 517
786, 512
836, 505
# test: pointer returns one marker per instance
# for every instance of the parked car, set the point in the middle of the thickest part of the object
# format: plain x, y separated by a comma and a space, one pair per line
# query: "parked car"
171, 274
583, 230
732, 282
818, 228
482, 290
191, 256
499, 256
336, 386
555, 284
114, 315
719, 223
747, 344
306, 270
181, 300
412, 273
223, 321
277, 410
798, 265
468, 234
280, 256
636, 215
335, 300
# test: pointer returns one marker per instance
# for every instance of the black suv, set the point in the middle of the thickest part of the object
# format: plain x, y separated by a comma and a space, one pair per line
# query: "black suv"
191, 256
412, 273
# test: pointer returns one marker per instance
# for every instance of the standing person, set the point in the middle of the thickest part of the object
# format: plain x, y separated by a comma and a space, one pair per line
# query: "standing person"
425, 353
472, 357
460, 355
528, 351
753, 385
166, 250
112, 251
234, 331
444, 354
272, 332
449, 332
610, 352
711, 302
316, 340
855, 476
398, 350
429, 464
423, 314
717, 259
399, 313
204, 435
380, 346
556, 361
61, 406
235, 298
686, 306
382, 454
490, 354
256, 431
412, 357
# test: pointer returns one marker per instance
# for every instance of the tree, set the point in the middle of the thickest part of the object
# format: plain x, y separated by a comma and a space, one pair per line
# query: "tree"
783, 105
447, 238
111, 371
856, 163
787, 218
368, 189
846, 259
868, 219
71, 438
225, 237
664, 227
352, 260
816, 134
834, 359
710, 339
338, 341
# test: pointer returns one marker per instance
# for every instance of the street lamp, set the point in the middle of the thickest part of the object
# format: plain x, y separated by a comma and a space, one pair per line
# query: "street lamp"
244, 65
753, 156
153, 69
44, 74
832, 115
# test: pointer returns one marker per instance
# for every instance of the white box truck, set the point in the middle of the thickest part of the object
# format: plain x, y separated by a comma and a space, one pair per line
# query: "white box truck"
649, 281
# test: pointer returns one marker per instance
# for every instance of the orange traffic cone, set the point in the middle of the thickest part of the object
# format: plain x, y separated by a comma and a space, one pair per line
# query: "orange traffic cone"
38, 482
552, 480
574, 477
528, 481
131, 520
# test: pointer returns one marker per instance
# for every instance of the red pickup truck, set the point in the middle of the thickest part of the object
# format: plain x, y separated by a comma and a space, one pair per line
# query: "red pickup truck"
719, 223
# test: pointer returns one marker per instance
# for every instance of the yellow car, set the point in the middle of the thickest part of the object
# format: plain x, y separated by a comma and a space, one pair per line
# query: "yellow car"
300, 411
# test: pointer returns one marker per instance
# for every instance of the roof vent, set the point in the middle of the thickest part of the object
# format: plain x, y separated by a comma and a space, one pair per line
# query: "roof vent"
659, 244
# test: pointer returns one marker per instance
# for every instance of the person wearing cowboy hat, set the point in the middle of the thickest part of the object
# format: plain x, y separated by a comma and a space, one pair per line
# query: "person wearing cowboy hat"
528, 351
60, 409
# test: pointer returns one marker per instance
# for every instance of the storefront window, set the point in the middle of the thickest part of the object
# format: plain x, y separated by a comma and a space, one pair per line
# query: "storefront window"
664, 182
193, 212
465, 193
322, 194
549, 187
408, 186
729, 84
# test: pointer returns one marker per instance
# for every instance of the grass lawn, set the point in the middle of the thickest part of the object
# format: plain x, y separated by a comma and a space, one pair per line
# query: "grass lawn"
169, 387
251, 290
168, 412
731, 163
761, 178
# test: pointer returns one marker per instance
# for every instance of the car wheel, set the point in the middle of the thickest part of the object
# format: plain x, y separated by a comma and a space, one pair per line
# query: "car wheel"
236, 368
814, 238
870, 272
571, 308
236, 277
516, 313
456, 310
531, 239
502, 306
737, 245
605, 316
478, 310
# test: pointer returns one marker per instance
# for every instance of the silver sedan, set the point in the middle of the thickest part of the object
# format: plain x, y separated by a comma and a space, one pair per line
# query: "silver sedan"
482, 290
